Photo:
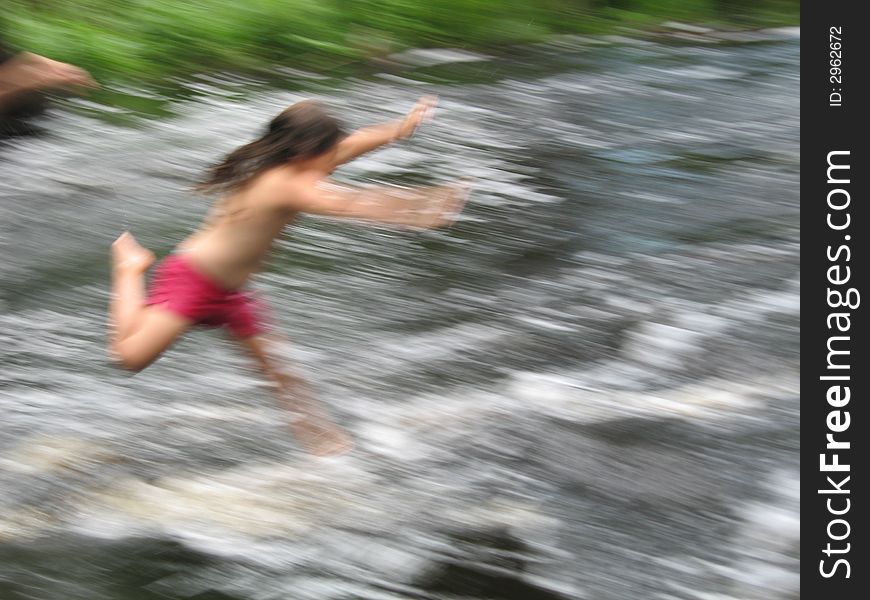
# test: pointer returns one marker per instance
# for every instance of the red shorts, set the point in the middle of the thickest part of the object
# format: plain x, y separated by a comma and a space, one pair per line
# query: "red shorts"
179, 288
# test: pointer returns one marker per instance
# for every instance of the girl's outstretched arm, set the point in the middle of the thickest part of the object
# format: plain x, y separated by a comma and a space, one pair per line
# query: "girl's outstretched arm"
420, 207
370, 138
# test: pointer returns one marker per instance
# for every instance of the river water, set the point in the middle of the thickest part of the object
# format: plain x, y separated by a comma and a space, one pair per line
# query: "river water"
587, 388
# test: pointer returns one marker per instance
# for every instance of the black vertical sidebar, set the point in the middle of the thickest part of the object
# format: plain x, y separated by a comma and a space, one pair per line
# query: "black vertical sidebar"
835, 420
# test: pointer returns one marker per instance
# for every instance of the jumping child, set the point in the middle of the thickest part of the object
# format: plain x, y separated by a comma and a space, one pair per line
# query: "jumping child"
263, 185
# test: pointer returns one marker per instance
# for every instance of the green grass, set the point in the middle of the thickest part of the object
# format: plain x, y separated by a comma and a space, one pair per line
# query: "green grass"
143, 41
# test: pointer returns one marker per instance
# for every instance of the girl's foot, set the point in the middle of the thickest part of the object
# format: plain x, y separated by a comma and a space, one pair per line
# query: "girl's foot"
320, 436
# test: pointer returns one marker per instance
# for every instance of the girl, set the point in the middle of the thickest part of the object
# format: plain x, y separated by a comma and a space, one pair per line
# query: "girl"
264, 185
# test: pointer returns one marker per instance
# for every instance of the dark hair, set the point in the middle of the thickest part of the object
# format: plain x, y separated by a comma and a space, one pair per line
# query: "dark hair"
303, 130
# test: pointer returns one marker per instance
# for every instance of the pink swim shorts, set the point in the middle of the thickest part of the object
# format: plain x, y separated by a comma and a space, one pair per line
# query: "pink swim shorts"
179, 288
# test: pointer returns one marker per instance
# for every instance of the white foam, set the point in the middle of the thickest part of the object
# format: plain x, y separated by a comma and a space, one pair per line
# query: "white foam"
660, 345
767, 544
704, 72
427, 57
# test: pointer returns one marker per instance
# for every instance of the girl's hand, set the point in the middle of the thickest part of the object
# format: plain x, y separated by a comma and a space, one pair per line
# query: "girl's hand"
419, 114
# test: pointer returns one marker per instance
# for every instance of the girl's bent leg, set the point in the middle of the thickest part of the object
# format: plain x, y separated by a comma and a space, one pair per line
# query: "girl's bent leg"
139, 334
157, 330
308, 419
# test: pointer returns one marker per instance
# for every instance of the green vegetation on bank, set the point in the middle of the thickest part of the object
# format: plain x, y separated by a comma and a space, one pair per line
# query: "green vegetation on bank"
143, 40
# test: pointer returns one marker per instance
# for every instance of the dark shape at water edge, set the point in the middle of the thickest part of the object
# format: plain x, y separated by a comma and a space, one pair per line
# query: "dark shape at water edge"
473, 581
492, 568
78, 568
486, 564
17, 119
212, 595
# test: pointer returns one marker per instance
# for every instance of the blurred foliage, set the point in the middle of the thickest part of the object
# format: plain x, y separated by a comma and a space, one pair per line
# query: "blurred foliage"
148, 39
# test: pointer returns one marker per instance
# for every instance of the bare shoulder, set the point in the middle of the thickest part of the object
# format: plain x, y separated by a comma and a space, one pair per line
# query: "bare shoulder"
273, 188
294, 189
